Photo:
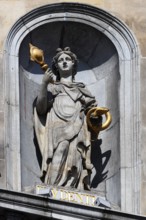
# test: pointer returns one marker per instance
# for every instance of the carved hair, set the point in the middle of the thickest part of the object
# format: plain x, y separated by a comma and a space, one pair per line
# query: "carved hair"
59, 52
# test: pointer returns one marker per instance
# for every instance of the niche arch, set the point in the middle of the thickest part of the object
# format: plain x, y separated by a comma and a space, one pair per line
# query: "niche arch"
128, 59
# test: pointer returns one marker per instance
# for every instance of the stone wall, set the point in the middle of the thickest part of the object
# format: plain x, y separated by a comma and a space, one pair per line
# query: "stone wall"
133, 13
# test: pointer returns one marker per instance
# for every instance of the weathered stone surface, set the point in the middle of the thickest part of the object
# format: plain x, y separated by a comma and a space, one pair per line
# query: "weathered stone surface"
2, 174
98, 90
143, 133
143, 195
2, 136
1, 109
143, 91
1, 83
114, 190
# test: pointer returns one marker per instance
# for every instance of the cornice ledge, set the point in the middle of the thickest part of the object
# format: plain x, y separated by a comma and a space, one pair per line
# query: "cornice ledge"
44, 206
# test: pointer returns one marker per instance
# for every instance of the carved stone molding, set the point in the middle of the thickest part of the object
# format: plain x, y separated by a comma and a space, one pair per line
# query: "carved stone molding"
16, 205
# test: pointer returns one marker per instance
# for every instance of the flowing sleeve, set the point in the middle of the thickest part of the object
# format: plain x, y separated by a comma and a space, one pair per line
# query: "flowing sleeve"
87, 99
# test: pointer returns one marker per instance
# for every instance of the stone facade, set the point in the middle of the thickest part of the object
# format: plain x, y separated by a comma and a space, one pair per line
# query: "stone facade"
131, 13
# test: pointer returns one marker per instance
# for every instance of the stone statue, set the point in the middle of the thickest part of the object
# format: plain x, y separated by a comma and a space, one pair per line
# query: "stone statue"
60, 123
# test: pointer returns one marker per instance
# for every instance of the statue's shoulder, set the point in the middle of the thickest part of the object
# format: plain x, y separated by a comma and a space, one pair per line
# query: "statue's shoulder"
55, 88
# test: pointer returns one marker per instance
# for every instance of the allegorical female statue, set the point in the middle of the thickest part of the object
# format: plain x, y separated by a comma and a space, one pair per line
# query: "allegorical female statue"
60, 124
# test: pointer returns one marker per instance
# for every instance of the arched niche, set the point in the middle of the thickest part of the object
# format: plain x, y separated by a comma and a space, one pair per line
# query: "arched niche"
98, 68
109, 57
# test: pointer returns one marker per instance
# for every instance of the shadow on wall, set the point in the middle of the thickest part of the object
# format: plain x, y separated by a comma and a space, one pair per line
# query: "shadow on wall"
99, 161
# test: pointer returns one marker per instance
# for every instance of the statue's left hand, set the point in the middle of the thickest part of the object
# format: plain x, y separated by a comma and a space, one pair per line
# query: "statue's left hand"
96, 120
95, 115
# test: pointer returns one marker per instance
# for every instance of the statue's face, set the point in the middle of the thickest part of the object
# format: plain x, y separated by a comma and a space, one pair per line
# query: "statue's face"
65, 65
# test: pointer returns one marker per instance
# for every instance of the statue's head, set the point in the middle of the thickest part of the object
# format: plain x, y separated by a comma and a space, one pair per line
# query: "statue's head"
63, 62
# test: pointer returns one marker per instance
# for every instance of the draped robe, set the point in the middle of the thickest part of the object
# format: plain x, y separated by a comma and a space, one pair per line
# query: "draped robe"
63, 136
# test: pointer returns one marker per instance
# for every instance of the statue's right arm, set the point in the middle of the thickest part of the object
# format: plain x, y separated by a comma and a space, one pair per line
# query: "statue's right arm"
42, 99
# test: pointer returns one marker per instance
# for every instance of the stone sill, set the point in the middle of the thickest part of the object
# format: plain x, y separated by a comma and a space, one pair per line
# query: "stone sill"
45, 207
